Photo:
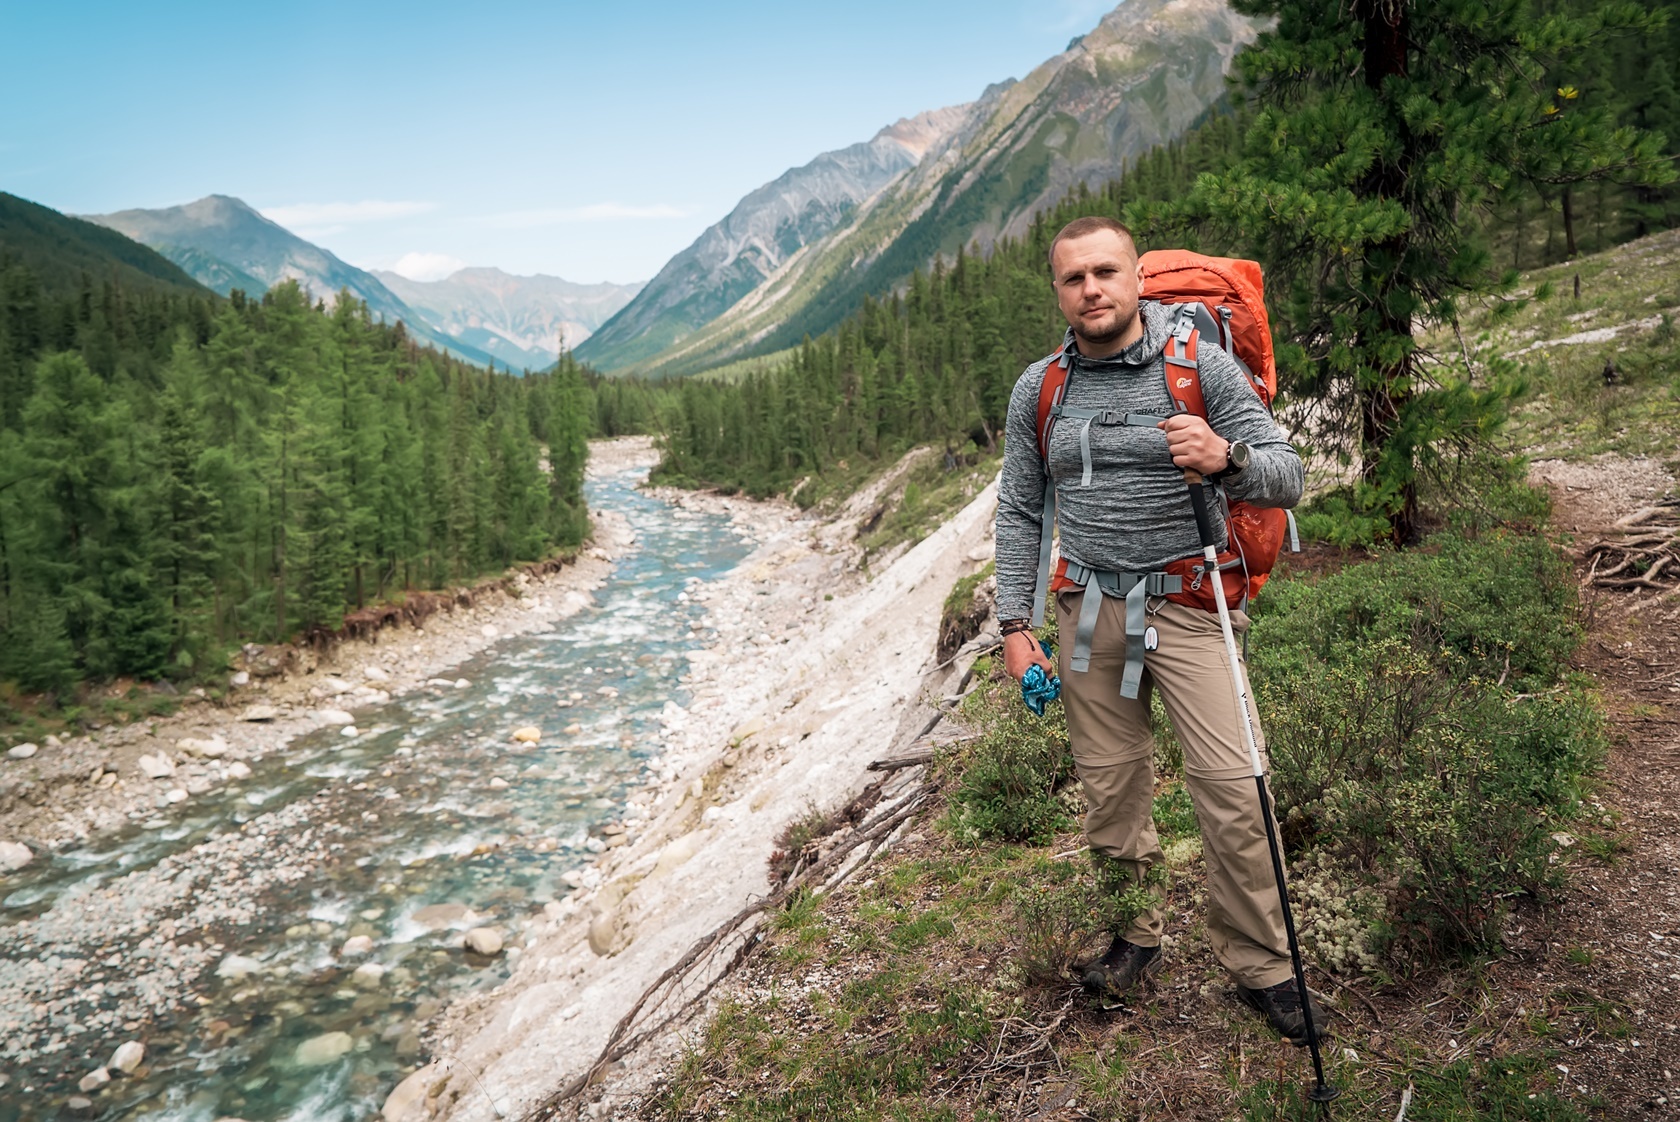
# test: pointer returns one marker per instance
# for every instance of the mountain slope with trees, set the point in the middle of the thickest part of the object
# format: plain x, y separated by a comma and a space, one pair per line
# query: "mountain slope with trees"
225, 243
1149, 71
59, 252
180, 473
935, 362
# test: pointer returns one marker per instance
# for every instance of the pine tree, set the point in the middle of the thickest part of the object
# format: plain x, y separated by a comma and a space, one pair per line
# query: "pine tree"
1376, 137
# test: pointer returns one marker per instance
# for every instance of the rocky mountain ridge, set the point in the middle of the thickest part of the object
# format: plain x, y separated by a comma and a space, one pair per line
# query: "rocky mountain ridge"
1142, 77
766, 228
518, 320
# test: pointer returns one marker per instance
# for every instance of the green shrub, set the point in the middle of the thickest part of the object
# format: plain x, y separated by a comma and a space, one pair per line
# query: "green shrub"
1419, 733
1062, 913
1009, 778
1503, 602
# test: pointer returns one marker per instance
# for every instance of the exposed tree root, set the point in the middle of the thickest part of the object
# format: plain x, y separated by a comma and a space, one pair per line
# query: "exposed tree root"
1644, 552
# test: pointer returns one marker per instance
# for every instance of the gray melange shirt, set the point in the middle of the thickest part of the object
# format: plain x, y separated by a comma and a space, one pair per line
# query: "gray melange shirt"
1135, 516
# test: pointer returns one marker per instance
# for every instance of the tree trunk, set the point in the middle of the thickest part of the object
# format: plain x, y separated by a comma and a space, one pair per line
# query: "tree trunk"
1384, 396
1568, 224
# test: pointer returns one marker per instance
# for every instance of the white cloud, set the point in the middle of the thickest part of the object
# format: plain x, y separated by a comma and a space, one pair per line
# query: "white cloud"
320, 216
427, 266
594, 212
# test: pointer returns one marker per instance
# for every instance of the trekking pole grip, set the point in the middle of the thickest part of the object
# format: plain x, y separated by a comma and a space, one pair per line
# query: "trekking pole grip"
1199, 504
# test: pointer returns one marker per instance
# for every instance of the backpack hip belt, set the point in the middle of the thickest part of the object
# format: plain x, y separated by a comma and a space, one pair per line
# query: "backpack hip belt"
1135, 589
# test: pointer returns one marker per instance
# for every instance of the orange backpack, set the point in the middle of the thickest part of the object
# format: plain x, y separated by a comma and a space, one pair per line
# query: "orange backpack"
1220, 300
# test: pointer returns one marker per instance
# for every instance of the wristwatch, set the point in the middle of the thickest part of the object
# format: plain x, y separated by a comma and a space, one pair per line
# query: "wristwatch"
1237, 457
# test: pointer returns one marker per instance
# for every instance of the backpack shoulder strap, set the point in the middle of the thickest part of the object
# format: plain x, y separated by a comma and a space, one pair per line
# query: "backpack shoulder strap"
1050, 393
1183, 371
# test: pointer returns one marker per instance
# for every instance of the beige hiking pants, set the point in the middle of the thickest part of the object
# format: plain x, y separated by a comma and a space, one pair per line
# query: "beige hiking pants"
1114, 752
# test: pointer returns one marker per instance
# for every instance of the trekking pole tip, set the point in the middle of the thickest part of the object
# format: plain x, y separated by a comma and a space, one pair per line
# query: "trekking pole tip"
1323, 1093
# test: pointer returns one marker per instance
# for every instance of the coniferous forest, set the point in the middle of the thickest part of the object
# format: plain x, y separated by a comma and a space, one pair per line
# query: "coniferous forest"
180, 473
935, 361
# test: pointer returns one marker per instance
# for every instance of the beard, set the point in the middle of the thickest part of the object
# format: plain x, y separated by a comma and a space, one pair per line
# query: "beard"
1107, 330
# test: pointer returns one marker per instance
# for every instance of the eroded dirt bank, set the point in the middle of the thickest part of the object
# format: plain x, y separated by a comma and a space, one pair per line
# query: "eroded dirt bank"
815, 671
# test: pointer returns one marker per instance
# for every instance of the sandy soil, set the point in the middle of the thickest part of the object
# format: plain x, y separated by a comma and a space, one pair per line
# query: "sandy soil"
814, 672
71, 791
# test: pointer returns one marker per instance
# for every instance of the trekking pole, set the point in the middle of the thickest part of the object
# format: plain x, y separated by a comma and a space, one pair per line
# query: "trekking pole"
1322, 1092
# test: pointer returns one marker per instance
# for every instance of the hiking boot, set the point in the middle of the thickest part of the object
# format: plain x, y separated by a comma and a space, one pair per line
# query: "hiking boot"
1281, 1006
1113, 975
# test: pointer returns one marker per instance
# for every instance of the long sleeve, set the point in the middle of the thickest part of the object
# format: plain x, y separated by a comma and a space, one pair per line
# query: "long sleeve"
1020, 513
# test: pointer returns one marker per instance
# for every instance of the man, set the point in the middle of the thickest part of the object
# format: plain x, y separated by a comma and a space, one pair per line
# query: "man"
1123, 508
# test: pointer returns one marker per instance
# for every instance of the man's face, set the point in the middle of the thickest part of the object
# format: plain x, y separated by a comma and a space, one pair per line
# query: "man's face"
1097, 279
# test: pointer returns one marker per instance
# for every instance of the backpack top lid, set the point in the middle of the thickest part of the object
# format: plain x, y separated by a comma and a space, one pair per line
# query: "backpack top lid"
1177, 276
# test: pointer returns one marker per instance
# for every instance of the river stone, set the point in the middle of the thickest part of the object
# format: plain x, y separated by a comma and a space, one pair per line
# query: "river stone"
128, 1056
94, 1080
318, 1051
22, 751
79, 1104
14, 856
488, 631
367, 975
439, 916
356, 945
214, 748
336, 685
240, 678
676, 854
497, 783
572, 729
239, 770
159, 766
609, 933
408, 1094
237, 966
175, 795
350, 730
484, 940
259, 713
529, 734
375, 674
334, 717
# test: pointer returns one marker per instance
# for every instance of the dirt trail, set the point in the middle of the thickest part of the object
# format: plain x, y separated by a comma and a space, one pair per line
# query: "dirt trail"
1611, 963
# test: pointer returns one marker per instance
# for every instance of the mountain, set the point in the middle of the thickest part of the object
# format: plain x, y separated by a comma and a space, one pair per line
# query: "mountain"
766, 228
226, 244
517, 320
61, 250
1145, 74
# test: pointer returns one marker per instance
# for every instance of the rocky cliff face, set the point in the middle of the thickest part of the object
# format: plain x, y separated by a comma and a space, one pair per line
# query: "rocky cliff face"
224, 244
765, 229
1142, 77
518, 320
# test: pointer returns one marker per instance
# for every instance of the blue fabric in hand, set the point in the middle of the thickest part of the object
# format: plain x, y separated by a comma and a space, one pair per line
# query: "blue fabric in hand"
1037, 688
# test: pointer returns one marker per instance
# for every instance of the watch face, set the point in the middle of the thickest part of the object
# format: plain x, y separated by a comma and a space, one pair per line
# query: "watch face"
1239, 455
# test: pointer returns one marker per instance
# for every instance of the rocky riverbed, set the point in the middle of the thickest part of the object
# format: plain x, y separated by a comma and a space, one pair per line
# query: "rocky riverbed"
273, 938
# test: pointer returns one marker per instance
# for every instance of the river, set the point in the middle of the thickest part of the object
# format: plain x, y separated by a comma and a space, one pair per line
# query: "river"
215, 933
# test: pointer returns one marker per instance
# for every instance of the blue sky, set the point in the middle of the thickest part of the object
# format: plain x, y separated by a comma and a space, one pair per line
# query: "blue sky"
590, 141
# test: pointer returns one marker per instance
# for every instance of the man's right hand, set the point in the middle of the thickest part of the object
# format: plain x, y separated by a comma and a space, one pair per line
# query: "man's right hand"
1020, 651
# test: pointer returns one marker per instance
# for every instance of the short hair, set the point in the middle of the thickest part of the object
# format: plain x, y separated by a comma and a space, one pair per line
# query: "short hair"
1089, 224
